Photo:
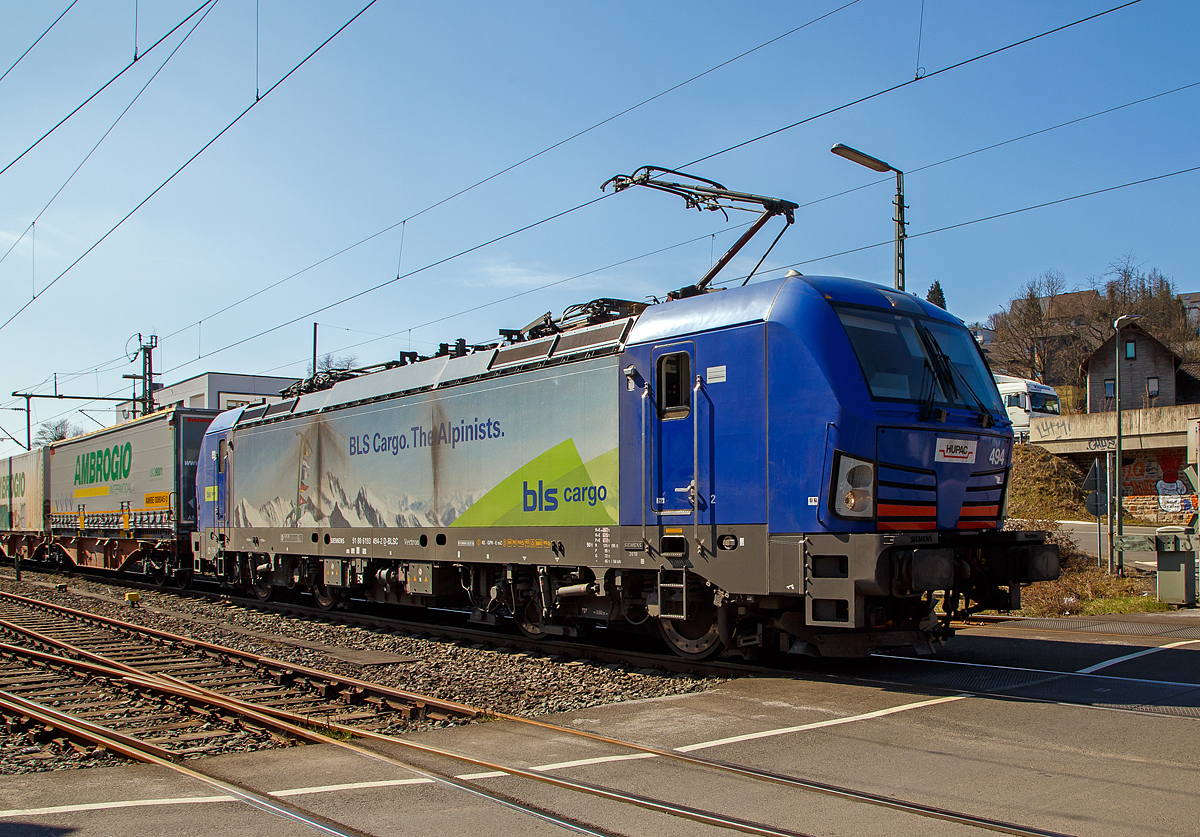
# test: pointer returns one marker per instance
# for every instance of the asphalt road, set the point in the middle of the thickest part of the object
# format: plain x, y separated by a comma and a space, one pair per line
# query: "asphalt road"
1085, 535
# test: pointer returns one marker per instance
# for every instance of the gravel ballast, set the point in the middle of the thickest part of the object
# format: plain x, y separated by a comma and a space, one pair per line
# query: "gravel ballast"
495, 679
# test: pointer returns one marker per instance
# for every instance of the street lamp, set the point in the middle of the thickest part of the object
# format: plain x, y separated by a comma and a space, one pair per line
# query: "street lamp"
1118, 323
875, 164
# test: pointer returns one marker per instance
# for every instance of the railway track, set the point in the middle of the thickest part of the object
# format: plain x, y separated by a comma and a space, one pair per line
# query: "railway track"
177, 677
627, 650
319, 696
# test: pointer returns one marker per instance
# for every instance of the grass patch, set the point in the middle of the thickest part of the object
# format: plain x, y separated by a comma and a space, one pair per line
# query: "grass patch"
1044, 490
1044, 486
1083, 589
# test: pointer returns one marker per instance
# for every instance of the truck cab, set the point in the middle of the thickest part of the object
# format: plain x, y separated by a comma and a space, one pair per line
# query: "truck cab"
1024, 399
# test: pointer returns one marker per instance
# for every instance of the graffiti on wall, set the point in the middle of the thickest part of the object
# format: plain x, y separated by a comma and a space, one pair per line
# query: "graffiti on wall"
1160, 474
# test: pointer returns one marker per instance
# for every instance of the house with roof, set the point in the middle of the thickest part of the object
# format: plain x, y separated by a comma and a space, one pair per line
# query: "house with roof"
1148, 372
1160, 410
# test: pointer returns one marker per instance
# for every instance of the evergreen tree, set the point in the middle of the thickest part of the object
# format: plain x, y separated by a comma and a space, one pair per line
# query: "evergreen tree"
935, 295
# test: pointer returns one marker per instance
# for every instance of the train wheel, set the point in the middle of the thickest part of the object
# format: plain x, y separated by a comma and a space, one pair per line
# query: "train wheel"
694, 638
326, 599
157, 572
182, 578
262, 589
528, 619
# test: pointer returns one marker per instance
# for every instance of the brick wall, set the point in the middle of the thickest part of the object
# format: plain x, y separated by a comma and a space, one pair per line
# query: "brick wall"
1154, 487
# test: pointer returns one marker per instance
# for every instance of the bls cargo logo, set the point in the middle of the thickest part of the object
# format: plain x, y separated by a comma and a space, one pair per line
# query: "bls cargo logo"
542, 499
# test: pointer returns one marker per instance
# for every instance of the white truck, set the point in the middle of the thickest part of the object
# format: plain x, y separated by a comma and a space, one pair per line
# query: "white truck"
1024, 399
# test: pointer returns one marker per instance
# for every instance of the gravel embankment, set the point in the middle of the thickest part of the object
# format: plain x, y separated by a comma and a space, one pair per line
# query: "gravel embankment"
493, 679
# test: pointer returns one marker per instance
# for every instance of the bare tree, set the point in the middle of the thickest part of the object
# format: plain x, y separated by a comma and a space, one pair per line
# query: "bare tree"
1028, 330
1047, 332
1125, 288
329, 363
55, 431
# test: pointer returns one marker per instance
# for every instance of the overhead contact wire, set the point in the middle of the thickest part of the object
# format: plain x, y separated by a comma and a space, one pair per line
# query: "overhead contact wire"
997, 216
515, 165
1009, 141
39, 39
701, 159
773, 270
384, 284
511, 297
203, 148
907, 82
103, 137
105, 86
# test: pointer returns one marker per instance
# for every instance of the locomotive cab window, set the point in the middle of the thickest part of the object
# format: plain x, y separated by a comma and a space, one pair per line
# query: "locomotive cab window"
674, 390
221, 448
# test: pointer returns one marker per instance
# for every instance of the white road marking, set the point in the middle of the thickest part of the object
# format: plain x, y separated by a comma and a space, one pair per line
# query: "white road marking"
384, 783
103, 806
1134, 656
879, 713
135, 803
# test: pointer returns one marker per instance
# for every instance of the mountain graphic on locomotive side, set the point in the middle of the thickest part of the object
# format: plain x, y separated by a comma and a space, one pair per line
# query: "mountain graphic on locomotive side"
812, 465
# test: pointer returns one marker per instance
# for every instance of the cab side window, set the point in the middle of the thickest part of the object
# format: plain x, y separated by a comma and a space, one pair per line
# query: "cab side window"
674, 386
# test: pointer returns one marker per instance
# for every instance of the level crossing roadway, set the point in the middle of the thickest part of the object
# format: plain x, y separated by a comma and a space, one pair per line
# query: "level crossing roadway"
1064, 726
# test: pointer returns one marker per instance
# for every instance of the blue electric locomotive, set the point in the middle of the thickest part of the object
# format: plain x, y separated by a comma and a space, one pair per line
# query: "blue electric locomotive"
810, 464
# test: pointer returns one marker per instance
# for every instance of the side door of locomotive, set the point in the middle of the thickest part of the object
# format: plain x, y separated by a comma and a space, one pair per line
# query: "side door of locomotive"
221, 480
674, 479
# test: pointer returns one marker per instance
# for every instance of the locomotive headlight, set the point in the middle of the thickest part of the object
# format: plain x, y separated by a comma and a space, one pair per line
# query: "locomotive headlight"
854, 488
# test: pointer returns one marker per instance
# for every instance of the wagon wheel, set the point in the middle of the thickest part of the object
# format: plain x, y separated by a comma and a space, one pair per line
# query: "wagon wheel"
528, 619
696, 637
157, 570
182, 577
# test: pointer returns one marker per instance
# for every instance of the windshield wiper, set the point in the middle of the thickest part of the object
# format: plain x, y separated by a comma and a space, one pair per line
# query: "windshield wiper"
928, 411
947, 370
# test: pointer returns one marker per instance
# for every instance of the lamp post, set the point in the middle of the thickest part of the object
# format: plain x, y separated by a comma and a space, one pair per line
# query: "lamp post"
1118, 323
875, 164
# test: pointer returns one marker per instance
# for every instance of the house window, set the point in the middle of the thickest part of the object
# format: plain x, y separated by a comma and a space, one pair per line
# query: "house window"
1152, 387
1110, 386
1130, 350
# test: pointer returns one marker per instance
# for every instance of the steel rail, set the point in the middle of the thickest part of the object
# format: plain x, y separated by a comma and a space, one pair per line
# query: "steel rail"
291, 723
150, 754
256, 659
295, 725
667, 662
110, 739
650, 803
798, 782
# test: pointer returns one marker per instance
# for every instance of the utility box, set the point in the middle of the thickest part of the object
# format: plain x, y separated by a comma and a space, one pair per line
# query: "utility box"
1177, 565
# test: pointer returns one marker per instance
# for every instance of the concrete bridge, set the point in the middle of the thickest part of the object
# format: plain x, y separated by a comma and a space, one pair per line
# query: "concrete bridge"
1158, 443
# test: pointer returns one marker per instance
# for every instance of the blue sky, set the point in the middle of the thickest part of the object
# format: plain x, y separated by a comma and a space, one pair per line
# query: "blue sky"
415, 101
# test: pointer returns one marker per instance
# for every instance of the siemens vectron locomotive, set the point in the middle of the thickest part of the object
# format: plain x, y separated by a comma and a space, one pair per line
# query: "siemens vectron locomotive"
809, 464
